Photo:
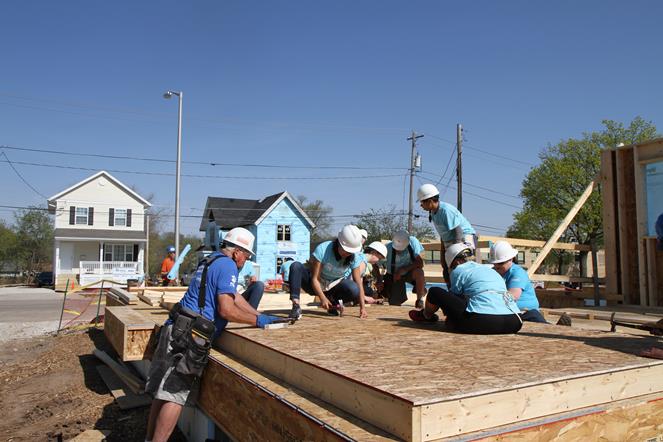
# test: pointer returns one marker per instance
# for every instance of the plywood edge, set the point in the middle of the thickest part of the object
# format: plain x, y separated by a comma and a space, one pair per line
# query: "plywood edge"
382, 409
470, 414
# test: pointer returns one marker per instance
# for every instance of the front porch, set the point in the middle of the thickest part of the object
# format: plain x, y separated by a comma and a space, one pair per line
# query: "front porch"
87, 263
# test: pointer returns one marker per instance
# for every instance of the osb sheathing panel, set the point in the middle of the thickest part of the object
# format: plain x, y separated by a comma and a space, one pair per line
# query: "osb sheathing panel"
130, 332
633, 423
275, 411
389, 357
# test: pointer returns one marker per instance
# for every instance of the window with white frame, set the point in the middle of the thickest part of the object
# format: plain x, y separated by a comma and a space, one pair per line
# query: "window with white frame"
81, 215
283, 232
120, 217
118, 252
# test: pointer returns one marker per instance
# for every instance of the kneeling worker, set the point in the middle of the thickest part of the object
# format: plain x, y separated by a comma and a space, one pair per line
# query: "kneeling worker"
326, 277
193, 324
405, 263
517, 281
370, 269
248, 285
478, 301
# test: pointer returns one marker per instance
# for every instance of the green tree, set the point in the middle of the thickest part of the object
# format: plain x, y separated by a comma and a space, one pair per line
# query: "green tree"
551, 189
34, 240
7, 248
382, 223
320, 214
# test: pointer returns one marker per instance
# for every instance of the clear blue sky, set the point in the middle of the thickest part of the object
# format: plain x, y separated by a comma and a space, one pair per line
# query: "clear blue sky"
306, 83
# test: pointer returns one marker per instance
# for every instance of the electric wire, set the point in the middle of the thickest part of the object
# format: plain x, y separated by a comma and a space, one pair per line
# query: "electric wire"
21, 176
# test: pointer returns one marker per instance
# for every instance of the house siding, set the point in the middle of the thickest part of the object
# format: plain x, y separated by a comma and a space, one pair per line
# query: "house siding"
268, 249
102, 194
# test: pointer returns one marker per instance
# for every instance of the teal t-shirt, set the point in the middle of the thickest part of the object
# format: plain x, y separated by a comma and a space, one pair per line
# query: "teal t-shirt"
403, 257
447, 218
517, 277
332, 268
285, 270
484, 288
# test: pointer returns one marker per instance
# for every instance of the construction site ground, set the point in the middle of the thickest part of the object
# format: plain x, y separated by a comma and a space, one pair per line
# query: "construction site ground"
50, 388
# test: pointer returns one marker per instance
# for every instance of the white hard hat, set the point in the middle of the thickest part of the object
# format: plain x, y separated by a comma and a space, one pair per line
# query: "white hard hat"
378, 247
240, 237
400, 240
350, 238
427, 191
501, 251
454, 250
363, 233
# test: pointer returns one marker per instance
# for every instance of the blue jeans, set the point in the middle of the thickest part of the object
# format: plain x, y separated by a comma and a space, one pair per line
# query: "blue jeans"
253, 294
300, 278
533, 316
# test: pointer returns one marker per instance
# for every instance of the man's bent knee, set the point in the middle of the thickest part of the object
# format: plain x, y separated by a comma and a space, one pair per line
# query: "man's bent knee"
435, 294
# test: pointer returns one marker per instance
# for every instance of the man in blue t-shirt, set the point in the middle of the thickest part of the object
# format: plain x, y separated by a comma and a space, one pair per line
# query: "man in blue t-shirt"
517, 281
450, 224
171, 380
248, 285
404, 263
326, 276
477, 301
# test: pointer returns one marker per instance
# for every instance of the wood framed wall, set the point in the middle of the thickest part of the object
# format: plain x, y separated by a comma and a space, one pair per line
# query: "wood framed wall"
632, 264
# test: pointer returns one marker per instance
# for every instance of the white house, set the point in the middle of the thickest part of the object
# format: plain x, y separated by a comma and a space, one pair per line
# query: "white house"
100, 232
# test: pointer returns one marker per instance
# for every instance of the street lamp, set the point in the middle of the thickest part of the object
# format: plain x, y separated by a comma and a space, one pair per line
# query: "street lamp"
180, 95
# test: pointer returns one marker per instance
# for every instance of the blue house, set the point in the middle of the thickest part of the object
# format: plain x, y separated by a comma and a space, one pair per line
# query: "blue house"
281, 227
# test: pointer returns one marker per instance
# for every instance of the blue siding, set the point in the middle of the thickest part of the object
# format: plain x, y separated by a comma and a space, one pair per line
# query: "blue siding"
268, 248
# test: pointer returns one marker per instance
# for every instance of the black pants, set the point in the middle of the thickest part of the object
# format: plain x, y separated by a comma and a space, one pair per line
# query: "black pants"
253, 293
300, 278
454, 308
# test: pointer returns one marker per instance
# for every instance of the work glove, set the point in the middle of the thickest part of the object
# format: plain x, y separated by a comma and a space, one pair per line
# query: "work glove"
263, 320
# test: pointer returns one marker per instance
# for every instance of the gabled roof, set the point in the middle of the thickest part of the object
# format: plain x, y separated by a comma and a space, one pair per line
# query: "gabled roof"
109, 177
236, 212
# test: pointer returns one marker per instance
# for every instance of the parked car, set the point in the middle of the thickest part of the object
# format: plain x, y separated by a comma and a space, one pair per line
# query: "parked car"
44, 279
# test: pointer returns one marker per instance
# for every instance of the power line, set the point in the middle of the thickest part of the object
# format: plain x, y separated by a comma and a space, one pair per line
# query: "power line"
487, 152
477, 186
207, 176
448, 186
205, 163
21, 176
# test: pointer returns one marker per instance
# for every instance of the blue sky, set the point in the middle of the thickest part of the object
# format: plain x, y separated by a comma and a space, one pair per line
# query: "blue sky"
306, 83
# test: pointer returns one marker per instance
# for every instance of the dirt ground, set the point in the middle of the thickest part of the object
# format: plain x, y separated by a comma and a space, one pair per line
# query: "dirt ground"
50, 390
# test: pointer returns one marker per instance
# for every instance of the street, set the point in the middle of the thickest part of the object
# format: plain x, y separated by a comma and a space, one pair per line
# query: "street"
26, 312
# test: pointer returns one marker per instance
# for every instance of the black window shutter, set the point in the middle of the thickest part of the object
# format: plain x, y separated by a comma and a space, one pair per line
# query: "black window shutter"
72, 215
90, 216
135, 250
111, 217
129, 221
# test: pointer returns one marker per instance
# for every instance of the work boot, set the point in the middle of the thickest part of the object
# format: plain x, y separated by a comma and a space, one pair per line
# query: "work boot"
565, 319
296, 312
418, 316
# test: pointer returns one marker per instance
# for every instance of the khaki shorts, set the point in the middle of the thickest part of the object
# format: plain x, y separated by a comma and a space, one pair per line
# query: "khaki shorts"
163, 382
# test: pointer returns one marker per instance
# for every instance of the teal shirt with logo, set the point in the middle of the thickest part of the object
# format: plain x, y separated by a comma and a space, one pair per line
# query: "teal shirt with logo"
447, 218
516, 277
484, 288
332, 269
403, 257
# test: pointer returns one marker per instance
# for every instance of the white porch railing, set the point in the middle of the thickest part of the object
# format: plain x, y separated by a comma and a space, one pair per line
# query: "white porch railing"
108, 267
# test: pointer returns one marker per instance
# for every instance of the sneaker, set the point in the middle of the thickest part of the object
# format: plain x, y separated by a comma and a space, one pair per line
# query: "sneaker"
419, 304
337, 310
296, 312
333, 311
565, 319
418, 316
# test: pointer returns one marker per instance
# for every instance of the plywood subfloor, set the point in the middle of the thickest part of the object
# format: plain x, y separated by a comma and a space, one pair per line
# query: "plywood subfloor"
425, 364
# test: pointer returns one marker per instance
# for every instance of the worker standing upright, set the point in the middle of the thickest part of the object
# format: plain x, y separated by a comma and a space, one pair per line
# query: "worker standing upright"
326, 277
166, 265
193, 324
450, 224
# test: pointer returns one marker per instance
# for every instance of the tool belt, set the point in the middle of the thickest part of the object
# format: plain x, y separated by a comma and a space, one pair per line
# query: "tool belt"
191, 340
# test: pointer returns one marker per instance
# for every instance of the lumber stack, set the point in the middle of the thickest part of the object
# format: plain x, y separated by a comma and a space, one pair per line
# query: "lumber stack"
151, 297
126, 297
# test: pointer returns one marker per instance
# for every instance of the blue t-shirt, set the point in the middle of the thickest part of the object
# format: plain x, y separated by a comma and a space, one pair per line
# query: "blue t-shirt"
332, 268
484, 288
285, 270
403, 257
447, 218
362, 260
221, 280
246, 273
516, 277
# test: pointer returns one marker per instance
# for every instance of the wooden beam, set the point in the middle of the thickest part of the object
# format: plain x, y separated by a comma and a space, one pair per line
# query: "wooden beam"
561, 229
641, 226
484, 242
650, 152
610, 230
565, 278
626, 222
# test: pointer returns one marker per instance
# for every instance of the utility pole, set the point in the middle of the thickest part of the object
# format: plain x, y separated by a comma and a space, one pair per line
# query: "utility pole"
459, 166
410, 213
